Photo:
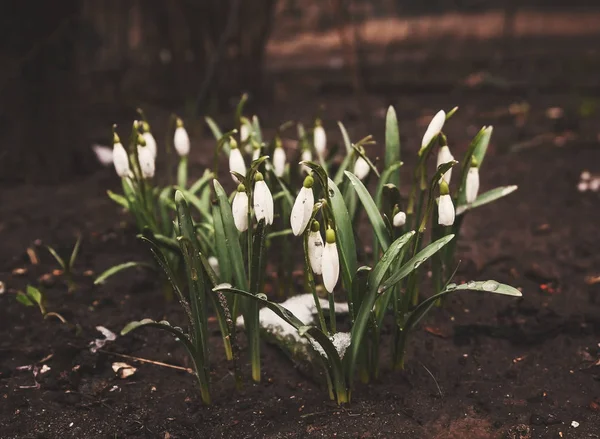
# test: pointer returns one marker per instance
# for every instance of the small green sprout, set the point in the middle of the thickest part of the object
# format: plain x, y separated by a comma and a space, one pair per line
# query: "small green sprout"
34, 297
67, 266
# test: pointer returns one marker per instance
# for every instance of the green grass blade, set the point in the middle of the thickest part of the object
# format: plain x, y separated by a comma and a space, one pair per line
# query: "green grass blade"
60, 260
344, 234
373, 214
346, 137
364, 313
119, 199
392, 146
414, 263
120, 267
231, 237
487, 197
74, 254
225, 269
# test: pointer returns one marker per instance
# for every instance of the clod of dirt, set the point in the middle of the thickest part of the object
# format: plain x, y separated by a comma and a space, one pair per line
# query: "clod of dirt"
520, 431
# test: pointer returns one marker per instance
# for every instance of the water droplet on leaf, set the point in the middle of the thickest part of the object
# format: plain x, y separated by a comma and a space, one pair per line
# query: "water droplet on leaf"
490, 285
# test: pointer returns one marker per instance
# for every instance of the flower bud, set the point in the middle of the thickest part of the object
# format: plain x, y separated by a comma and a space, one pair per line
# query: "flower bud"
236, 161
331, 263
472, 184
303, 207
279, 160
181, 140
445, 156
146, 159
445, 207
315, 248
239, 208
263, 200
399, 219
361, 168
149, 138
319, 138
306, 157
120, 159
434, 128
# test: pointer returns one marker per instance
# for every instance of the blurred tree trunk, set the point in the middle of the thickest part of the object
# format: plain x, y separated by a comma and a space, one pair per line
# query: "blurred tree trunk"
41, 134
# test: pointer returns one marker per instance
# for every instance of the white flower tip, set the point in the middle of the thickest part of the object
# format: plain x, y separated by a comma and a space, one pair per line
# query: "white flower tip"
399, 219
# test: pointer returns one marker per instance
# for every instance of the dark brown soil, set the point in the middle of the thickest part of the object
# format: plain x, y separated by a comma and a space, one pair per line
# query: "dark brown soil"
482, 367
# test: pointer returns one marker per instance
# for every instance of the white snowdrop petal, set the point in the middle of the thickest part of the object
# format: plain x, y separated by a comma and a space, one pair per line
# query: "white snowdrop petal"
236, 162
434, 128
239, 209
181, 141
361, 168
445, 211
263, 202
594, 185
399, 219
150, 143
146, 161
244, 132
302, 210
320, 140
472, 187
315, 251
279, 162
330, 266
445, 156
120, 160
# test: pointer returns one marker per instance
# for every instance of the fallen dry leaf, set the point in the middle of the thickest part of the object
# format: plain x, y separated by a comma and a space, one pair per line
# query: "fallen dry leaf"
123, 370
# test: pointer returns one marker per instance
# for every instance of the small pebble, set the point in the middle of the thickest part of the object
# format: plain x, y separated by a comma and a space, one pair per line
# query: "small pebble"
574, 424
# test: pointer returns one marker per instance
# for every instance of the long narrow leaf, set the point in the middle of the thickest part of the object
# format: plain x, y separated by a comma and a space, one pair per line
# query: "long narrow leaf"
120, 267
487, 197
392, 146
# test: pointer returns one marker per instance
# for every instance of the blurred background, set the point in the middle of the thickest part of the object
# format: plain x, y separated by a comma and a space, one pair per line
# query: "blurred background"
71, 69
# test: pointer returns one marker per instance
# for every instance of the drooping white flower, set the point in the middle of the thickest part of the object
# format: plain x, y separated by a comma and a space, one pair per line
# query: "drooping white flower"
361, 168
434, 128
399, 219
256, 149
445, 156
245, 130
239, 208
120, 159
149, 138
146, 158
263, 200
315, 248
214, 264
445, 207
320, 139
279, 160
472, 184
181, 140
306, 157
330, 262
303, 206
236, 161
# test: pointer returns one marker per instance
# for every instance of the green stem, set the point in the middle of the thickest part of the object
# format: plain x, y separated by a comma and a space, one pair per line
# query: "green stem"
332, 322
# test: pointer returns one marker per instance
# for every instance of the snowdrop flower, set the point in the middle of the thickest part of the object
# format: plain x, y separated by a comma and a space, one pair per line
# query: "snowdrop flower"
239, 208
472, 187
361, 168
278, 159
214, 264
319, 138
445, 156
330, 262
236, 161
181, 140
245, 130
303, 207
445, 206
145, 158
399, 219
315, 248
149, 138
306, 157
263, 200
120, 159
434, 128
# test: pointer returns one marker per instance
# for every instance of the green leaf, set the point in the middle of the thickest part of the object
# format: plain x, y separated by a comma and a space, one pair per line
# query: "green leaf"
256, 131
60, 260
225, 271
182, 172
24, 299
372, 212
392, 146
197, 203
364, 313
487, 197
214, 128
120, 267
74, 254
202, 182
231, 237
344, 234
414, 263
165, 326
119, 199
239, 111
489, 286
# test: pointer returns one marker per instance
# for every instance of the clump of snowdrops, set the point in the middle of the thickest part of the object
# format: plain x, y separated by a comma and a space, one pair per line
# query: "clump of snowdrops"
215, 256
